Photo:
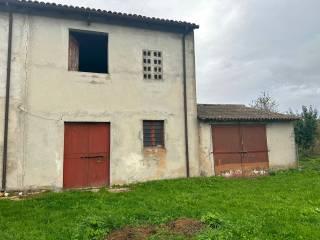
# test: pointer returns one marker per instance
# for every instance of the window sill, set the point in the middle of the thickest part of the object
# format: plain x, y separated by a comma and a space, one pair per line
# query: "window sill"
90, 75
153, 80
154, 148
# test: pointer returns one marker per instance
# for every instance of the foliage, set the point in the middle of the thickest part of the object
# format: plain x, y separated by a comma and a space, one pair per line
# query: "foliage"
306, 130
91, 227
213, 220
283, 206
265, 102
316, 149
310, 163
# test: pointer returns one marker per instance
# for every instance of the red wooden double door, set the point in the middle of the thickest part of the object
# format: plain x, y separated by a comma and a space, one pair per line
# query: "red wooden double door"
240, 150
86, 155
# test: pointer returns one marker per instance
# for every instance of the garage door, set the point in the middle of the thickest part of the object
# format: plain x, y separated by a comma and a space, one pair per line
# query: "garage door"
240, 150
86, 155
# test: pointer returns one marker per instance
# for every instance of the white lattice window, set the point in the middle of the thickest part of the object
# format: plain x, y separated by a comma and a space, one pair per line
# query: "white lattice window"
152, 64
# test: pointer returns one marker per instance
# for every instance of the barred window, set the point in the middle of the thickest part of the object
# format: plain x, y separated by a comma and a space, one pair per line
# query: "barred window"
153, 133
152, 64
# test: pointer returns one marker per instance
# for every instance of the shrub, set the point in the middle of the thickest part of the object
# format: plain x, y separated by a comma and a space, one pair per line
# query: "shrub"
213, 220
91, 228
306, 131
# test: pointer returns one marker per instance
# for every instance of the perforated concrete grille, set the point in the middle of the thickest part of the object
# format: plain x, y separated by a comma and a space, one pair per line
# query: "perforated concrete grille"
152, 64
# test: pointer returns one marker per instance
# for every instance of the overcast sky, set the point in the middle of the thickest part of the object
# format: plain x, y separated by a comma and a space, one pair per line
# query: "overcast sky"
244, 47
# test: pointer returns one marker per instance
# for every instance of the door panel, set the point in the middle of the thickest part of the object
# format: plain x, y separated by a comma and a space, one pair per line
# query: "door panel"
226, 139
240, 150
76, 146
74, 174
99, 151
254, 138
227, 150
86, 155
255, 157
228, 164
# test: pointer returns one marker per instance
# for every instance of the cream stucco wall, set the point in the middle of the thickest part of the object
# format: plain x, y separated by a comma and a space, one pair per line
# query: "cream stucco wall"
15, 165
206, 158
45, 95
281, 145
280, 140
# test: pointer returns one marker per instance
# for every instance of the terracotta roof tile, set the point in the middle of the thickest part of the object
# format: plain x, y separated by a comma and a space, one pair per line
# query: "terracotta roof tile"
108, 16
235, 112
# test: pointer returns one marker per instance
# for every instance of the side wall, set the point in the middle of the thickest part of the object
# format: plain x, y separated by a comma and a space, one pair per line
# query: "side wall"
45, 95
206, 158
16, 132
281, 146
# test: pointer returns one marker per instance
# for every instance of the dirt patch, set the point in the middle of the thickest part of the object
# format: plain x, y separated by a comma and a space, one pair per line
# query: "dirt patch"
186, 227
132, 233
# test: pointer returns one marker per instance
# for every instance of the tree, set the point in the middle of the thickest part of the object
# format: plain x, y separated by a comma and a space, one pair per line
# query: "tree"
306, 129
265, 102
316, 149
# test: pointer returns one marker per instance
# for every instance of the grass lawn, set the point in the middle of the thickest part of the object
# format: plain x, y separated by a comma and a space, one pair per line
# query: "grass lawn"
285, 205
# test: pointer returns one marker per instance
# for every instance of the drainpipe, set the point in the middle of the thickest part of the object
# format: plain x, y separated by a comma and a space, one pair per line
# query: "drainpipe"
185, 106
6, 108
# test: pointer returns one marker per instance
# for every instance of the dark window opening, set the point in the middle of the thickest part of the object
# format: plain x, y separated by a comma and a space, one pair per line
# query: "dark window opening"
88, 52
153, 133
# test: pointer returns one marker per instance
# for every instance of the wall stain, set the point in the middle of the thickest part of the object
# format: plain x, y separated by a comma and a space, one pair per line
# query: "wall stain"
156, 156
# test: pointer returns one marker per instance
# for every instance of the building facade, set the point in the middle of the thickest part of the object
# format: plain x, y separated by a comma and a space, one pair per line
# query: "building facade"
92, 98
55, 82
238, 141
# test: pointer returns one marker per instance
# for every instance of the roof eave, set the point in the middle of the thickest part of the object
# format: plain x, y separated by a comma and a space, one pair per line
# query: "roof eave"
92, 15
247, 119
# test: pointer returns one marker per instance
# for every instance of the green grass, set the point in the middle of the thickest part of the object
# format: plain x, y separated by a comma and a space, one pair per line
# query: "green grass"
285, 205
311, 163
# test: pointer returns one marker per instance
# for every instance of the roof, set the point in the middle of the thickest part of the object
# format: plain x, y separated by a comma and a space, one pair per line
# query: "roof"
236, 112
94, 15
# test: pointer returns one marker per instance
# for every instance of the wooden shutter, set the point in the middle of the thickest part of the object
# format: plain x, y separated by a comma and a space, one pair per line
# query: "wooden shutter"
73, 54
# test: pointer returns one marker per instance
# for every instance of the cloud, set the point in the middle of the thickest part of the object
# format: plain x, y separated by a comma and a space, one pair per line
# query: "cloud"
245, 47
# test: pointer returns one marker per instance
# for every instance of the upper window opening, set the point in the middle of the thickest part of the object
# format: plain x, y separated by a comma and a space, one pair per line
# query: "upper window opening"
88, 51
